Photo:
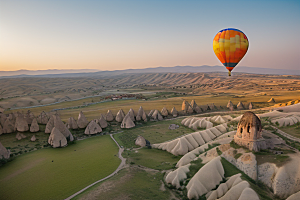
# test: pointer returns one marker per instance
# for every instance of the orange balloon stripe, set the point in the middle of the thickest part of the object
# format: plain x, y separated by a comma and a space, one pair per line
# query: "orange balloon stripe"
230, 46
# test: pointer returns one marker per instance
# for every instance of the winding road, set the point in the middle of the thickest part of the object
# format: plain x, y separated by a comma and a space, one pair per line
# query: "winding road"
122, 164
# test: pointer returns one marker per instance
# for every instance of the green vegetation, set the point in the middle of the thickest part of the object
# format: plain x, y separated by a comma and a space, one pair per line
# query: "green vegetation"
154, 132
58, 173
236, 156
25, 145
293, 130
151, 158
129, 183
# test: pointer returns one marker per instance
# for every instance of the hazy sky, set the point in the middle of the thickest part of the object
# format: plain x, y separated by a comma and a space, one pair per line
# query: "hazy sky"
110, 35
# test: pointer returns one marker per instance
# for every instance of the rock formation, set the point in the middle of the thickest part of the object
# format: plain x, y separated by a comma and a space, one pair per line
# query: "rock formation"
150, 113
295, 196
82, 122
33, 138
240, 106
140, 141
29, 116
21, 124
174, 112
127, 122
34, 126
186, 107
8, 126
56, 122
131, 114
230, 105
72, 124
4, 153
156, 115
212, 106
164, 112
49, 125
20, 136
249, 132
102, 122
173, 126
92, 128
198, 110
141, 115
206, 179
272, 100
250, 106
2, 119
1, 130
175, 177
57, 139
193, 104
109, 116
43, 118
197, 122
189, 142
120, 116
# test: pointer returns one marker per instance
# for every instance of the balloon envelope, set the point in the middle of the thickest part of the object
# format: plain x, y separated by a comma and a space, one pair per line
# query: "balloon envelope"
230, 45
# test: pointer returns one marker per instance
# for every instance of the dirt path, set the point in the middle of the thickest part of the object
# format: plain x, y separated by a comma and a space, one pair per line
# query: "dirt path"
123, 162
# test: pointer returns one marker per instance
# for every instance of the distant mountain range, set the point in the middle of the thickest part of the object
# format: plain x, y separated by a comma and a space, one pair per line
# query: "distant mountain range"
176, 69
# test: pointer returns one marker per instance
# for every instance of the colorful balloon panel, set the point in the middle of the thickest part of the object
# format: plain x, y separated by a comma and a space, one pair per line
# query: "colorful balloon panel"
230, 45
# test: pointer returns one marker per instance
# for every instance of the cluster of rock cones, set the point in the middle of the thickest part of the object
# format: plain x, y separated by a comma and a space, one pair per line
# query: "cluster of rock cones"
60, 132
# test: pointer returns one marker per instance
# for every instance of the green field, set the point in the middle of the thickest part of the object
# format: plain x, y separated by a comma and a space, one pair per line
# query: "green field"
154, 132
151, 158
58, 173
129, 183
293, 130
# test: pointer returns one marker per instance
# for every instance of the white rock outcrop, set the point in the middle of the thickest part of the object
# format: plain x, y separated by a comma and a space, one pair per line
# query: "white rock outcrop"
57, 139
92, 128
82, 122
140, 141
175, 177
8, 126
43, 118
21, 124
164, 112
109, 116
102, 122
156, 115
127, 122
174, 112
207, 178
34, 126
189, 142
141, 115
33, 138
120, 116
72, 124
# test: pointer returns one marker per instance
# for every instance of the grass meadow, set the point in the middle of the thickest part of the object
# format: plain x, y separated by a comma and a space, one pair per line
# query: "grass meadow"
58, 173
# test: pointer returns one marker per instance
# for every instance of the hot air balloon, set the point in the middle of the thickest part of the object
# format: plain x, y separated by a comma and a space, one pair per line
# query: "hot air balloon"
230, 45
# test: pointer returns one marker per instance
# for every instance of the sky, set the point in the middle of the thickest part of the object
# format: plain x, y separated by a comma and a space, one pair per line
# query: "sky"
136, 34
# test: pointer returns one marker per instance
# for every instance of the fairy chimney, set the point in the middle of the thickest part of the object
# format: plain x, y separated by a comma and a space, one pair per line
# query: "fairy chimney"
174, 112
164, 112
249, 132
240, 106
120, 116
141, 115
109, 116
